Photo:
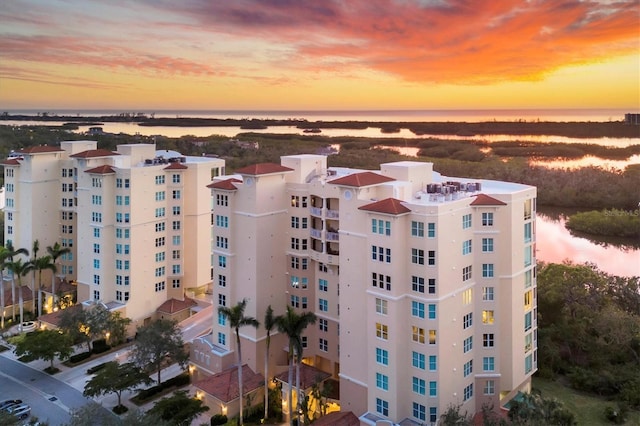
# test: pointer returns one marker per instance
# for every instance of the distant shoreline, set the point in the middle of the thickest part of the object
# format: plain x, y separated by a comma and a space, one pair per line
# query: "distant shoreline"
576, 129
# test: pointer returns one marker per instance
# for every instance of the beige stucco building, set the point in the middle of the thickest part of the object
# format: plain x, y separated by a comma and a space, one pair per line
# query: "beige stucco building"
423, 285
133, 218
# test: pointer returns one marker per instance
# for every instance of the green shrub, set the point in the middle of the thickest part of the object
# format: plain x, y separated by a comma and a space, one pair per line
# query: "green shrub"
74, 359
100, 346
218, 419
119, 409
177, 381
96, 368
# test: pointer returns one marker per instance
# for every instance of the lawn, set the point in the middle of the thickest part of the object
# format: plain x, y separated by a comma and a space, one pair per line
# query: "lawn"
589, 409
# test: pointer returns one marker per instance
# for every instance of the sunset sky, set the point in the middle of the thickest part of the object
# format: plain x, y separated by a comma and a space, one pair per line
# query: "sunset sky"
319, 54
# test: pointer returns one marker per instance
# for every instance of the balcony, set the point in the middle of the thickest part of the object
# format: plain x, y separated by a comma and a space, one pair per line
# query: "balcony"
333, 214
332, 236
316, 211
315, 233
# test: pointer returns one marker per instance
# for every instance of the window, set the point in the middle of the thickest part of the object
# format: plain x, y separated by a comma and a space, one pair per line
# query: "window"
160, 242
176, 240
304, 302
487, 270
159, 271
295, 301
160, 195
431, 259
382, 356
176, 225
527, 278
323, 345
160, 227
222, 200
431, 230
96, 200
221, 242
488, 363
160, 180
487, 317
487, 245
323, 305
417, 229
466, 221
467, 368
222, 300
528, 300
175, 210
467, 392
382, 331
466, 273
467, 344
96, 279
382, 407
222, 221
527, 232
467, 296
528, 364
487, 219
489, 387
381, 254
487, 293
433, 389
419, 411
419, 386
175, 254
96, 182
381, 306
304, 342
160, 212
487, 340
175, 194
528, 204
432, 286
96, 294
417, 256
417, 309
432, 337
467, 320
295, 222
323, 324
96, 232
382, 381
96, 263
528, 256
222, 280
160, 286
175, 178
175, 283
96, 248
417, 334
323, 285
222, 339
222, 261
527, 321
417, 284
297, 201
466, 247
298, 243
433, 414
382, 227
418, 360
175, 269
222, 319
433, 363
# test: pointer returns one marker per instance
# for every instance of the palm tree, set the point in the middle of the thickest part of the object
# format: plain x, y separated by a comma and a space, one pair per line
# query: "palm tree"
7, 252
269, 324
55, 252
35, 248
39, 264
19, 269
293, 324
235, 315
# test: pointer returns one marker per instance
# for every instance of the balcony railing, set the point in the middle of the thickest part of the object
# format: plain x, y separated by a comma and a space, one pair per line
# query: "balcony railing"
333, 214
315, 233
332, 236
316, 211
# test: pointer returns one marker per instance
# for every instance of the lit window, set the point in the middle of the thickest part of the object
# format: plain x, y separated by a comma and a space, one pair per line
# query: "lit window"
432, 337
417, 334
487, 317
382, 331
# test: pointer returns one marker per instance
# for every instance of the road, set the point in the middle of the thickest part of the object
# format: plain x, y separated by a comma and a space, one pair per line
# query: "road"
50, 399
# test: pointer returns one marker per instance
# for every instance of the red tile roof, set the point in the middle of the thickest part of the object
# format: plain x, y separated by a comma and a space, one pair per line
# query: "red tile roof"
94, 153
173, 306
338, 418
11, 162
263, 169
26, 295
387, 206
54, 318
362, 179
225, 184
176, 166
224, 385
39, 149
485, 200
101, 170
309, 376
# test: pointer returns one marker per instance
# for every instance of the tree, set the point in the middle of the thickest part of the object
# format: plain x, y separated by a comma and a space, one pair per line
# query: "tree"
45, 345
117, 327
19, 269
293, 324
533, 409
73, 322
269, 324
35, 248
235, 316
7, 252
56, 251
157, 343
453, 417
115, 378
178, 409
40, 264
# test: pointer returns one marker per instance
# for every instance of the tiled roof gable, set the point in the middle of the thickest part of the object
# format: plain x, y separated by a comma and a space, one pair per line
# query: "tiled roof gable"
173, 306
94, 153
486, 200
39, 149
263, 169
10, 162
362, 179
227, 184
386, 206
224, 385
176, 166
101, 170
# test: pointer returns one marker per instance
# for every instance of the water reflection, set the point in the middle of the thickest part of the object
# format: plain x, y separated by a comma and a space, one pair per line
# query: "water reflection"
586, 161
554, 243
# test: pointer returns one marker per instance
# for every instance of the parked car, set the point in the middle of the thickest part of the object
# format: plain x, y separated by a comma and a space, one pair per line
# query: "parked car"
20, 411
8, 403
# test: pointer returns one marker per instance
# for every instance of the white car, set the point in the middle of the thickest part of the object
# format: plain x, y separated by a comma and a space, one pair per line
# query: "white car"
20, 411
